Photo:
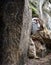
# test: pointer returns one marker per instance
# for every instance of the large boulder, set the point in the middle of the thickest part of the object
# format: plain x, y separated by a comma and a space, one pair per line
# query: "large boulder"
15, 25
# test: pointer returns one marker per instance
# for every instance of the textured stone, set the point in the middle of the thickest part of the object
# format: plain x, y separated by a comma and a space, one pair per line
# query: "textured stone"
15, 23
12, 18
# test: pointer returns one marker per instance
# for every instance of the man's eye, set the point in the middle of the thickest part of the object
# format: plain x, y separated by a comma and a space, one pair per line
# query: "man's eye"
32, 44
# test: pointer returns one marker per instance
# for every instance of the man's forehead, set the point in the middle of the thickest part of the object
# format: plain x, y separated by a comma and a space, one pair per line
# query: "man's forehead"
35, 20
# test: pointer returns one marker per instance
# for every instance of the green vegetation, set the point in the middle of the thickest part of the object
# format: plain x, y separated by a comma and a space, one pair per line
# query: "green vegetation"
33, 6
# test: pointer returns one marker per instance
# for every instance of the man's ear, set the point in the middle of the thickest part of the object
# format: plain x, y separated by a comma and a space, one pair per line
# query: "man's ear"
41, 28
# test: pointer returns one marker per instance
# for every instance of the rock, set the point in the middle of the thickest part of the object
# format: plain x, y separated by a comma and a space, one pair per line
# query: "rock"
32, 50
15, 25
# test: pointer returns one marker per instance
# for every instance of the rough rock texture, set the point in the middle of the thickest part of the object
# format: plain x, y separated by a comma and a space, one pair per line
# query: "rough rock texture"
15, 15
27, 18
12, 19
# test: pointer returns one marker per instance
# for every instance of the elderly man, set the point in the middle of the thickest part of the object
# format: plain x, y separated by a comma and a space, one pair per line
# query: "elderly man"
35, 45
36, 25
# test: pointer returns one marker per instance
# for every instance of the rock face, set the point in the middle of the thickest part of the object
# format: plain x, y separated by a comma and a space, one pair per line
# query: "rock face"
12, 19
13, 13
31, 49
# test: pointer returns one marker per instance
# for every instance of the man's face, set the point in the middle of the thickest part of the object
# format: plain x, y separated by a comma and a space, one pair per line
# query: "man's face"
35, 25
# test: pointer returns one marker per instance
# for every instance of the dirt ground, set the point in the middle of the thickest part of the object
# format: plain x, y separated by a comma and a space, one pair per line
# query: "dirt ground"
42, 61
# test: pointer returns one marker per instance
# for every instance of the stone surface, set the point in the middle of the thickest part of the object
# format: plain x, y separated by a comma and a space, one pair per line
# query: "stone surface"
12, 19
15, 14
31, 49
15, 17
